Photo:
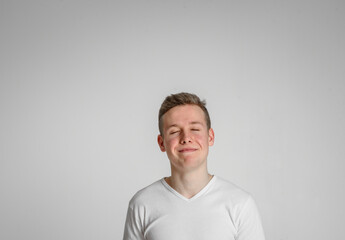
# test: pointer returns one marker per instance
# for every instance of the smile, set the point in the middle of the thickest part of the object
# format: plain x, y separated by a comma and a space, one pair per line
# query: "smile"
187, 150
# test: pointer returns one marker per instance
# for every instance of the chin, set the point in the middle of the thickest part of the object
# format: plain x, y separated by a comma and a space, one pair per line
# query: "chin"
190, 163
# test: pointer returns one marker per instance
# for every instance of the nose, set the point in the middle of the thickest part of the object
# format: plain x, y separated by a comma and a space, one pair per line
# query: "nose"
185, 138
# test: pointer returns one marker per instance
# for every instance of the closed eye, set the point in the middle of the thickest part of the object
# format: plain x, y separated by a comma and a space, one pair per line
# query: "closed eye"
195, 129
173, 132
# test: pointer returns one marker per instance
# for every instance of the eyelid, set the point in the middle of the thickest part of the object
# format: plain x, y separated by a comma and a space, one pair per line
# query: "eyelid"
174, 131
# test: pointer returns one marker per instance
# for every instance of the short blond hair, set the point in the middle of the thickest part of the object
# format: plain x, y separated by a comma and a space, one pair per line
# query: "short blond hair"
178, 99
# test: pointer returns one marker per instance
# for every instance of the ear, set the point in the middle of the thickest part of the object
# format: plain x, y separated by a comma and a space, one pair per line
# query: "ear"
210, 137
160, 141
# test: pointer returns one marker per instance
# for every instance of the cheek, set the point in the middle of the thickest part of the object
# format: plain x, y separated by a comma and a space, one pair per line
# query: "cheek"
202, 139
199, 135
170, 143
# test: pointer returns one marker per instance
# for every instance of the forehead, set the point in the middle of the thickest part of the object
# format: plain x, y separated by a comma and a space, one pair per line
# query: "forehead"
184, 114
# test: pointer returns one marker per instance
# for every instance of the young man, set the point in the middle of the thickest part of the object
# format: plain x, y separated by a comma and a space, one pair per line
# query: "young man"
191, 204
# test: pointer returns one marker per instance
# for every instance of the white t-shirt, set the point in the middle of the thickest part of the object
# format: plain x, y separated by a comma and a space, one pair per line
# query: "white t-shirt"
220, 211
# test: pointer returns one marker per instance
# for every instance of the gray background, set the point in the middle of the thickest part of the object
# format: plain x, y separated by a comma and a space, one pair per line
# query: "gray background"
82, 82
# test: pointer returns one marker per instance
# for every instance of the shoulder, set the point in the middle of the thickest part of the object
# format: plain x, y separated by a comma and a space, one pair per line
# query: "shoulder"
230, 192
147, 195
242, 210
239, 203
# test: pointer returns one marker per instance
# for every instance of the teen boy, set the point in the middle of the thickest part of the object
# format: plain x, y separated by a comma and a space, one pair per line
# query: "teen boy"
191, 204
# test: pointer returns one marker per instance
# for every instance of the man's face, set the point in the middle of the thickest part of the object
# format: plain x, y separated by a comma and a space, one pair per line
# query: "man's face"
186, 138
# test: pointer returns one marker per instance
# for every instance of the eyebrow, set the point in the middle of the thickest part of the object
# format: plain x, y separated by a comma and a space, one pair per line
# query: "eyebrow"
191, 123
196, 122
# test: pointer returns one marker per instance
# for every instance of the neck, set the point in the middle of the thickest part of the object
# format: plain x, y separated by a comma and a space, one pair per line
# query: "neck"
189, 184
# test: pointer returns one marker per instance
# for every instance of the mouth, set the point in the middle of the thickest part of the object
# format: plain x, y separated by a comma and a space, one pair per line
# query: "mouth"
187, 150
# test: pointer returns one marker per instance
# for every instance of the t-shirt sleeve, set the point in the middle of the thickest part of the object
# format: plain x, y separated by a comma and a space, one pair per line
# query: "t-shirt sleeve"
249, 222
133, 227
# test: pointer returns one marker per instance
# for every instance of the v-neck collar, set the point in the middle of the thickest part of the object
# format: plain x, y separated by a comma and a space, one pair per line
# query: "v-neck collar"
201, 192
